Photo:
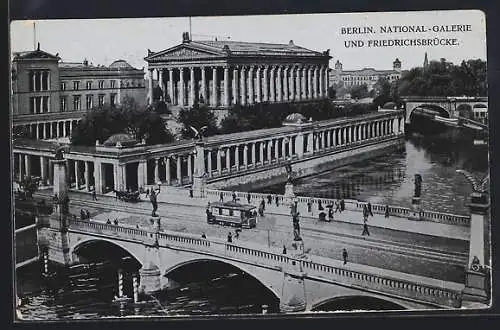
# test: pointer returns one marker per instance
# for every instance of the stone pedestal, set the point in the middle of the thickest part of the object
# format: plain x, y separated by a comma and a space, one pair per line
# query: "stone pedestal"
416, 208
289, 194
198, 187
150, 279
293, 296
298, 249
476, 284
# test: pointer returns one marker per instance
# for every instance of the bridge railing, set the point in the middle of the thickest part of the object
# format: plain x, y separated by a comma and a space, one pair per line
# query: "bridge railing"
315, 269
350, 204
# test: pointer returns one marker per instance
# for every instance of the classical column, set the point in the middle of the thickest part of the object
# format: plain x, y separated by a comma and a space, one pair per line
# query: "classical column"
209, 163
191, 86
98, 177
204, 85
259, 83
214, 86
266, 88
219, 161
254, 163
87, 176
310, 142
150, 87
157, 171
162, 83
235, 86
276, 153
321, 83
315, 83
243, 86
171, 85
272, 89
190, 167
299, 145
261, 152
318, 141
283, 147
77, 175
285, 84
245, 155
228, 159
44, 130
43, 174
269, 151
325, 84
181, 87
237, 157
64, 128
116, 178
27, 165
279, 82
304, 81
297, 85
179, 170
226, 86
251, 99
167, 170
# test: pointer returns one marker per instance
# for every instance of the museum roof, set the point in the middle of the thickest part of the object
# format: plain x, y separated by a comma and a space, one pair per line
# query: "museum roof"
34, 54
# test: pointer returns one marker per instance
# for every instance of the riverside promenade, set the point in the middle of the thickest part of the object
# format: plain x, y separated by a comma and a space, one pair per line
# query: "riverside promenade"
423, 248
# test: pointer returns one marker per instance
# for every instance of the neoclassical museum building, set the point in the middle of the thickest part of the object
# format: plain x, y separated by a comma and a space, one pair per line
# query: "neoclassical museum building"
224, 73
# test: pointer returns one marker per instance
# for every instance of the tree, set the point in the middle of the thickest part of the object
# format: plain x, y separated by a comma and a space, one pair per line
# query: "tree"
332, 93
359, 91
198, 116
29, 185
102, 122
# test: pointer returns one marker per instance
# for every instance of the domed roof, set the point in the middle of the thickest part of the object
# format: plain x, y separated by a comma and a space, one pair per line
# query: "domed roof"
123, 138
120, 64
295, 118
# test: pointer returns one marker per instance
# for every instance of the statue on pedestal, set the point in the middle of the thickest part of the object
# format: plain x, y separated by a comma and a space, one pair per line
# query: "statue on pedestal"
288, 168
296, 227
154, 202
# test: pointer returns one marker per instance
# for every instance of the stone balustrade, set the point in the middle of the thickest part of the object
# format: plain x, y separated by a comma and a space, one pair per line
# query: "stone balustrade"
324, 270
354, 205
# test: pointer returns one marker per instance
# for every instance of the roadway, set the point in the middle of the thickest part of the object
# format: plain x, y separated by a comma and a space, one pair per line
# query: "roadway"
425, 255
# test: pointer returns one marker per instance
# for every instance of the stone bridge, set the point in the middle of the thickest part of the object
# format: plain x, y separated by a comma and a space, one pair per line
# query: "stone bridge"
300, 281
449, 107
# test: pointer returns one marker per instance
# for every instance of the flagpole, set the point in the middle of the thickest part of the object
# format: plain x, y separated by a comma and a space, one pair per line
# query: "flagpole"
190, 35
34, 35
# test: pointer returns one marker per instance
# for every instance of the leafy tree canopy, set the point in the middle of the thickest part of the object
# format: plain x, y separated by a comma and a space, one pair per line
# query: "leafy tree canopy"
102, 122
198, 116
359, 91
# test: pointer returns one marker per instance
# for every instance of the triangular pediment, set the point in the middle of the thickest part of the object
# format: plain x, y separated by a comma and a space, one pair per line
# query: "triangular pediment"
35, 54
183, 51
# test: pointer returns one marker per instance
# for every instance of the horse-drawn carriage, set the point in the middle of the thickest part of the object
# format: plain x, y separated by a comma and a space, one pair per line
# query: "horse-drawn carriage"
128, 196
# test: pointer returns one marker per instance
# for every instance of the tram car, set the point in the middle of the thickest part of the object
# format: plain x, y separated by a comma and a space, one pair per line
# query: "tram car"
232, 214
128, 196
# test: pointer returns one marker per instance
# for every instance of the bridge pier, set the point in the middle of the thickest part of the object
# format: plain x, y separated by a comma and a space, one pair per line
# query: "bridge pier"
293, 294
150, 278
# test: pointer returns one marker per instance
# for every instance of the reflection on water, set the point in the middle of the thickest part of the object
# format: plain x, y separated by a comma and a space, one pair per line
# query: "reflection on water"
389, 179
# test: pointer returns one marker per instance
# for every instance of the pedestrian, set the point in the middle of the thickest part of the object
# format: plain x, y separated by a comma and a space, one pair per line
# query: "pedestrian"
221, 196
248, 198
370, 209
115, 222
344, 255
234, 196
365, 211
237, 233
284, 249
147, 192
269, 199
342, 205
203, 235
320, 206
229, 238
309, 206
191, 192
108, 222
387, 211
277, 200
87, 214
94, 195
337, 206
263, 204
82, 214
365, 229
330, 213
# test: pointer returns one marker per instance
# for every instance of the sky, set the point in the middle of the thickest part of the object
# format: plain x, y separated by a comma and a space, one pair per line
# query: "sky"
105, 40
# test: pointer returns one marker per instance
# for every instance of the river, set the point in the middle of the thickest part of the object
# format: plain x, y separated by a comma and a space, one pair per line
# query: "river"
217, 289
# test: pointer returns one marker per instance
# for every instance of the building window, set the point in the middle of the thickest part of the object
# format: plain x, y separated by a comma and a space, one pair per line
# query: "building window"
76, 85
32, 104
45, 104
89, 101
45, 80
101, 100
113, 83
76, 102
101, 84
63, 86
112, 99
89, 85
63, 103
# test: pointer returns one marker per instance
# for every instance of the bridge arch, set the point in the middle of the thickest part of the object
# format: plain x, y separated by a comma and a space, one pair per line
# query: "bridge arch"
87, 241
431, 107
269, 279
359, 302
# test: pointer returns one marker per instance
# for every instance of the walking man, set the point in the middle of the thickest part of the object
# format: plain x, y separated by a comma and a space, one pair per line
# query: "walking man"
277, 200
229, 238
234, 196
269, 199
387, 211
284, 249
370, 209
365, 229
344, 255
248, 198
221, 197
342, 205
309, 206
94, 195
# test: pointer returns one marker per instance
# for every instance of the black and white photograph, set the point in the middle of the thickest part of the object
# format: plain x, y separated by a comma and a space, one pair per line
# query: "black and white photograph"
252, 165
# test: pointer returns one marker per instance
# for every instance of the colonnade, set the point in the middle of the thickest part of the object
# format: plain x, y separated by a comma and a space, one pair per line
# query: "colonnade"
240, 84
50, 129
219, 159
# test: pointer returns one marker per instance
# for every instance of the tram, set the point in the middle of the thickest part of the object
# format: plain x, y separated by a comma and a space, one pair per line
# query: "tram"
232, 214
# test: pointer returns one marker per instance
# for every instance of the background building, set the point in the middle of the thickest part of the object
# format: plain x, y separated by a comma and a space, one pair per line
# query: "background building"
368, 76
49, 96
224, 73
